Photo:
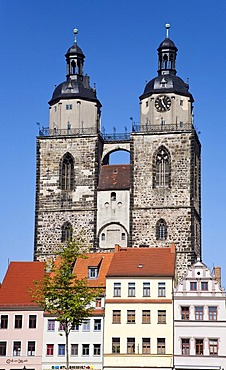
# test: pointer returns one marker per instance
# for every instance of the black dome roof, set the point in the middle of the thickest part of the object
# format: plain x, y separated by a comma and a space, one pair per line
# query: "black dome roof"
75, 49
71, 89
166, 84
167, 43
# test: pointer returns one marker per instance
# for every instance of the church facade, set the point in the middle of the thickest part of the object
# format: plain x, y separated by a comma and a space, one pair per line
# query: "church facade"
153, 201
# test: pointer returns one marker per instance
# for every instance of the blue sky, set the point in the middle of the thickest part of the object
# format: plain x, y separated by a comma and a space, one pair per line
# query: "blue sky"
119, 39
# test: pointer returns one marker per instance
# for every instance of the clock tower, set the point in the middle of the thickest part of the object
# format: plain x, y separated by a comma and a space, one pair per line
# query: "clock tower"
165, 152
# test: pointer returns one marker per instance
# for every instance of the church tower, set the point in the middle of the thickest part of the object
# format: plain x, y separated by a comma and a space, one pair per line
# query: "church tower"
67, 161
153, 201
165, 151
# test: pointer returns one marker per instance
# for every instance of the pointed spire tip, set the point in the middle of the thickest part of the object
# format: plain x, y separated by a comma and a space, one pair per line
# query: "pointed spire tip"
167, 30
75, 32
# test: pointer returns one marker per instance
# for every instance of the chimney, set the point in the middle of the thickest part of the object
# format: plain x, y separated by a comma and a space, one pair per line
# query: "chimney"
172, 248
217, 273
117, 248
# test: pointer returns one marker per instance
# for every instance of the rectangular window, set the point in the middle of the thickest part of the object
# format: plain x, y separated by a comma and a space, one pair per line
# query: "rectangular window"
146, 317
74, 349
185, 313
146, 289
92, 272
98, 302
199, 313
2, 348
61, 327
116, 317
185, 346
199, 346
68, 106
49, 349
51, 325
85, 349
130, 316
18, 322
97, 324
117, 289
115, 345
193, 285
4, 322
96, 349
32, 321
212, 313
130, 345
161, 346
161, 316
31, 348
146, 345
16, 348
61, 349
213, 347
86, 325
161, 289
75, 327
131, 289
204, 285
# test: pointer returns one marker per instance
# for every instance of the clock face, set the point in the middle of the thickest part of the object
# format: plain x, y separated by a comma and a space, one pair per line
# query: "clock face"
162, 103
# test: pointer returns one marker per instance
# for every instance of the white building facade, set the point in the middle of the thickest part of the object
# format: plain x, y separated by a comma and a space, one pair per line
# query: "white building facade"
199, 321
85, 344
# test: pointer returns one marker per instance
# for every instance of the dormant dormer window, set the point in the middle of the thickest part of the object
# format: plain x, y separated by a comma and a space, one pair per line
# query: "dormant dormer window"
193, 285
204, 285
92, 272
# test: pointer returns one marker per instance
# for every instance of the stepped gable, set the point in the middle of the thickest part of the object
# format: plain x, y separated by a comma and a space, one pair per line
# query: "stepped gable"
15, 289
142, 262
114, 177
99, 260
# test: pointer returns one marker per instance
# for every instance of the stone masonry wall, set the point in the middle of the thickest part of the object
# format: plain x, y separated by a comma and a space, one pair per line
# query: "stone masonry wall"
174, 204
55, 206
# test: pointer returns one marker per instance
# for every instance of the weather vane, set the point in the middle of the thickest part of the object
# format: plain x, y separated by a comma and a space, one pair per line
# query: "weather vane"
167, 30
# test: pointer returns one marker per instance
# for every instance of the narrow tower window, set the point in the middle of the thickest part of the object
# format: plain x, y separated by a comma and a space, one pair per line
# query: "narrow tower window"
162, 169
161, 230
67, 172
113, 196
66, 232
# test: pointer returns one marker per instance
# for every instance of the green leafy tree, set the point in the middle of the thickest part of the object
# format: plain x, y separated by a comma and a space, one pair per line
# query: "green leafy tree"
62, 294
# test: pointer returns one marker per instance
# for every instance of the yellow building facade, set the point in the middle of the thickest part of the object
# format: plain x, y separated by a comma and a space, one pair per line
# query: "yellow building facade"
139, 309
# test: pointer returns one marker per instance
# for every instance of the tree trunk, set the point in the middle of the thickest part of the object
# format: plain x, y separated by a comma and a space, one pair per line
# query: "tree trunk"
67, 353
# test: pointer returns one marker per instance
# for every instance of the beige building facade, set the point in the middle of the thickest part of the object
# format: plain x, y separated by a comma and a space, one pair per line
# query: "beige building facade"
139, 310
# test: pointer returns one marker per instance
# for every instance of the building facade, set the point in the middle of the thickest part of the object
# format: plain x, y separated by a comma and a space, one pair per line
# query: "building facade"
139, 309
21, 321
200, 321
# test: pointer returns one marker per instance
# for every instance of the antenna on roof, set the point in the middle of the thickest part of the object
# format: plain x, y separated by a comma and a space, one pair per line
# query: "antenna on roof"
167, 30
75, 32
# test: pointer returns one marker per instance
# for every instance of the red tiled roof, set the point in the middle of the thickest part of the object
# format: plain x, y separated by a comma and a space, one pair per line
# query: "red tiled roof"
18, 281
101, 261
135, 262
114, 177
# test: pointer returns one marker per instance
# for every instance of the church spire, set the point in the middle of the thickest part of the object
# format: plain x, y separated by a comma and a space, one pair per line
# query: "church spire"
167, 53
74, 59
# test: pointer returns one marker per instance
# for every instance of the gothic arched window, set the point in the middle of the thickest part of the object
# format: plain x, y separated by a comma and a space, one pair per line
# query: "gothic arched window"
67, 172
66, 232
161, 230
161, 173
